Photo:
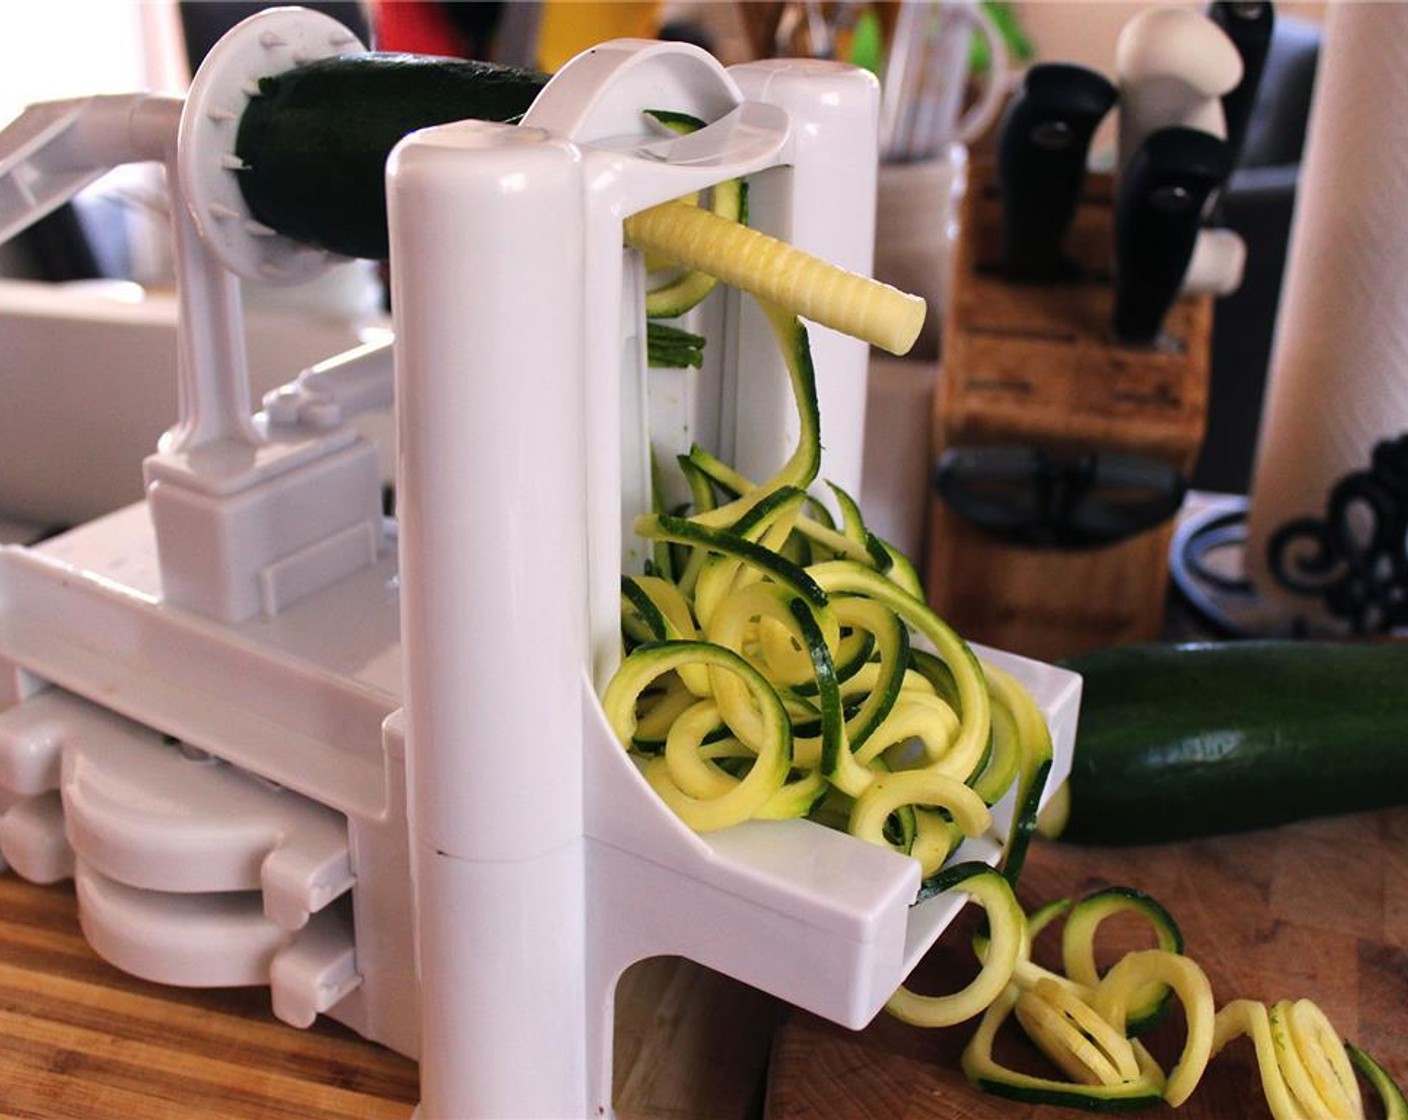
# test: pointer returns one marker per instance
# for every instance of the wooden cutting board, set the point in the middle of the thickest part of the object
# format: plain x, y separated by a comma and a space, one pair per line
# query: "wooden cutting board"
80, 1040
1317, 910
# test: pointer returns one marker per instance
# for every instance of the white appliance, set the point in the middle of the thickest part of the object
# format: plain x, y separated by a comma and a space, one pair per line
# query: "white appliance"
276, 739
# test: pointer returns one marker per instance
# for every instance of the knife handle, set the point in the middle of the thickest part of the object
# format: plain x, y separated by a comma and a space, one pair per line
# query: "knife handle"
1249, 24
1173, 66
1043, 145
1158, 214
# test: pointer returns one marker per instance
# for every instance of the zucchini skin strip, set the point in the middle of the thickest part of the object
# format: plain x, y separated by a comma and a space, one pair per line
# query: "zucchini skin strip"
1395, 1106
729, 202
679, 530
984, 1071
975, 712
770, 741
1035, 757
1294, 1040
647, 663
889, 792
1074, 1035
1323, 1055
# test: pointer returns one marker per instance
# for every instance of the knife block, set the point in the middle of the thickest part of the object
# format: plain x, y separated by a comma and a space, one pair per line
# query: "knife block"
1036, 365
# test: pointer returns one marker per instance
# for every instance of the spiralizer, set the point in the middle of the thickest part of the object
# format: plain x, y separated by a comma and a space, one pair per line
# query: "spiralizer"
277, 741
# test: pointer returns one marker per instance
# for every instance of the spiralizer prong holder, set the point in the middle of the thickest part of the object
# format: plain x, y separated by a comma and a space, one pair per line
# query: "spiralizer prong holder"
543, 863
251, 515
254, 514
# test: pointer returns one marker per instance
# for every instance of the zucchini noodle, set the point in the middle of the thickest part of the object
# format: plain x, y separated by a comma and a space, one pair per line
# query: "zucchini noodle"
759, 603
1008, 930
1307, 1072
1083, 1023
778, 665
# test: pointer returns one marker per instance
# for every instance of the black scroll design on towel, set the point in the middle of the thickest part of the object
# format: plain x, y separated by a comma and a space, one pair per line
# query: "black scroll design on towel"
1355, 558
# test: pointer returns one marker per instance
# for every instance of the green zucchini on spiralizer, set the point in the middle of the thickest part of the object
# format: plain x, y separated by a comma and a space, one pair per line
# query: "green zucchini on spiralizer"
314, 141
315, 138
1177, 741
311, 151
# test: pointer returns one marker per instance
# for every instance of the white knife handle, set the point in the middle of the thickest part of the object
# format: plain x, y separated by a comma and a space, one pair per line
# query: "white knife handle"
1219, 259
1172, 66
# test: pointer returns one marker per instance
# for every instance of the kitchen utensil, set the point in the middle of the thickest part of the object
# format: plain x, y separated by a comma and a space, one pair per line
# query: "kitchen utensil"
1035, 366
1158, 214
1034, 498
1042, 150
926, 76
1173, 66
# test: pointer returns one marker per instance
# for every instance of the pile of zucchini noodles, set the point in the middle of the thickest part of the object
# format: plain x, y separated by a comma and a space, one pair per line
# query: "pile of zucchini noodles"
778, 664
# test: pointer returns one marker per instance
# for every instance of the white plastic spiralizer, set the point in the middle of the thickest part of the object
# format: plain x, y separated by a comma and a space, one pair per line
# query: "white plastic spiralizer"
277, 739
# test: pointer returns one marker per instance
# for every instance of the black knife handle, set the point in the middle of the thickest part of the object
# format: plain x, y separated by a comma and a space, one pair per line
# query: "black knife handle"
1249, 24
1158, 213
1043, 145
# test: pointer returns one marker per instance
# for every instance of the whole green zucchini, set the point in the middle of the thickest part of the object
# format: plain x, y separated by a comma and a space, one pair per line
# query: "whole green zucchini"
314, 141
1191, 740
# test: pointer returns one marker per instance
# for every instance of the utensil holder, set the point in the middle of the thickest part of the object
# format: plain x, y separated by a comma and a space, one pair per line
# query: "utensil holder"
1035, 365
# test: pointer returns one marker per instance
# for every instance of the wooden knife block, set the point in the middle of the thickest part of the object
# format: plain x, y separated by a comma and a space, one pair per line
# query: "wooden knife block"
1035, 365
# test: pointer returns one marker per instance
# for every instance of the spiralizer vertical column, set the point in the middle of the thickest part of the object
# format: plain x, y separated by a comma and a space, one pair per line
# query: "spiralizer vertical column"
487, 292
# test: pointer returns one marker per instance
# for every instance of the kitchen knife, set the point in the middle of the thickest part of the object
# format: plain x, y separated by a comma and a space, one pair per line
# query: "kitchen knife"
1173, 65
1158, 213
1042, 148
1249, 24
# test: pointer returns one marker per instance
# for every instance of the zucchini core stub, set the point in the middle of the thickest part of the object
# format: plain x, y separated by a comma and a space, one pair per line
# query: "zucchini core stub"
314, 140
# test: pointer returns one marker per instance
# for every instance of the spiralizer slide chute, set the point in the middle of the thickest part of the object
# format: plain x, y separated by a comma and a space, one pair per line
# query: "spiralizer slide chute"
432, 707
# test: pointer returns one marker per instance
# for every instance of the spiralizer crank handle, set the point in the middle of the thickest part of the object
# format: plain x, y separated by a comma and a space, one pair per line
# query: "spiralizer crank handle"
1157, 218
1041, 161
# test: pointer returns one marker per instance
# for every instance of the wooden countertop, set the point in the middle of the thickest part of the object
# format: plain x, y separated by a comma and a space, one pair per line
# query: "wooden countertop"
81, 1040
1315, 909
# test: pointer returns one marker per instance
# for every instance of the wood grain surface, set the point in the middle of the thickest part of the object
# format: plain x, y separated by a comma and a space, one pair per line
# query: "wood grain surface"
80, 1040
1316, 910
1319, 910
